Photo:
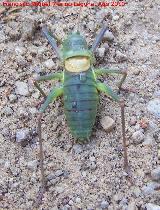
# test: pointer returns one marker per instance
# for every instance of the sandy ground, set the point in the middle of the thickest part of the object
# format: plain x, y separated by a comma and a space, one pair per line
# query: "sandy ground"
90, 176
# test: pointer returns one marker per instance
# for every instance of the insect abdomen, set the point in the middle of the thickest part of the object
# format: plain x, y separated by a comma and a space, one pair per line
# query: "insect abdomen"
80, 103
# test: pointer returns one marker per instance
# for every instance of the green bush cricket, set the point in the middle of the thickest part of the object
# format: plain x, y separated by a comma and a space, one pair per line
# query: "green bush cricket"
79, 88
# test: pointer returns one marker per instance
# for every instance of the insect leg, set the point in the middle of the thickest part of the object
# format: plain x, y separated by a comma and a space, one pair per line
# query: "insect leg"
126, 164
56, 92
108, 91
51, 40
99, 72
51, 97
99, 38
58, 76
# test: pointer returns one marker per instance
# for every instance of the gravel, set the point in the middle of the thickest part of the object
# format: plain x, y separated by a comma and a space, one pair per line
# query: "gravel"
32, 165
116, 17
59, 173
150, 188
108, 36
107, 123
132, 206
21, 88
104, 204
49, 64
8, 111
154, 107
138, 137
12, 98
29, 27
22, 135
20, 50
121, 57
101, 52
77, 148
156, 174
150, 206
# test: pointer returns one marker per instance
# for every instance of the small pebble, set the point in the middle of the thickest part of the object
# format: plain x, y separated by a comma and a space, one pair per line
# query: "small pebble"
100, 15
136, 72
155, 174
110, 207
92, 166
21, 112
137, 191
101, 52
59, 189
150, 206
70, 202
7, 165
12, 98
108, 36
8, 111
22, 135
33, 110
120, 56
133, 121
36, 95
22, 88
148, 140
77, 148
41, 50
138, 137
104, 204
50, 177
150, 188
59, 173
132, 206
157, 93
33, 50
153, 126
106, 46
107, 123
32, 165
84, 174
20, 50
66, 207
115, 17
78, 200
91, 25
54, 208
154, 107
49, 64
54, 181
92, 158
28, 29
93, 179
15, 185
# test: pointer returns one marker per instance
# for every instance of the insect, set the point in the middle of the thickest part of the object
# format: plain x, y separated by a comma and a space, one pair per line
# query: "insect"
79, 88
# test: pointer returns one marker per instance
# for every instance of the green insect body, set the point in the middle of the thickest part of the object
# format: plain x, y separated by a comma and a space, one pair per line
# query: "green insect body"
80, 91
80, 103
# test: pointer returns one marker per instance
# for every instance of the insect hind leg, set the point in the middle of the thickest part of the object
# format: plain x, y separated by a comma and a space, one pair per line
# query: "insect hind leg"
108, 91
55, 92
